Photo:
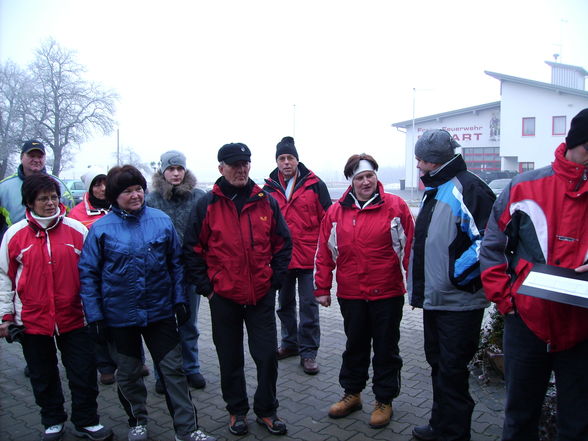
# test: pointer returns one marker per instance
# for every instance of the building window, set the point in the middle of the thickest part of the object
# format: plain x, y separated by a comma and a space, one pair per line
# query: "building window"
558, 126
526, 166
482, 158
529, 126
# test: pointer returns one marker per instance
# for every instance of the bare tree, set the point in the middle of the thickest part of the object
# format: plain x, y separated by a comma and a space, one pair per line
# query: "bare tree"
65, 108
14, 123
129, 156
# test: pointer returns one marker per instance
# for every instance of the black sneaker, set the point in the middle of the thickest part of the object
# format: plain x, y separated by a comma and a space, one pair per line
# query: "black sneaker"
95, 433
273, 424
196, 381
424, 433
238, 425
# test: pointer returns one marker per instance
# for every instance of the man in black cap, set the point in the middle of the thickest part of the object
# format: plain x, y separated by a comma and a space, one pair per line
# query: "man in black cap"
303, 200
541, 219
32, 160
444, 279
236, 249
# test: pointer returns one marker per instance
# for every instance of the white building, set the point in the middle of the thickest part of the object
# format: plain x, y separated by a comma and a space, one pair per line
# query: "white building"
518, 133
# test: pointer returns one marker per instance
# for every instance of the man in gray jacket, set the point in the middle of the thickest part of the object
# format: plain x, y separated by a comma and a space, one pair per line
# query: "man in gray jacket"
444, 279
174, 192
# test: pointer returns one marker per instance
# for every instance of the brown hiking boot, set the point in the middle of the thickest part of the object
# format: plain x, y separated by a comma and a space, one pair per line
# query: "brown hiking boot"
381, 415
349, 403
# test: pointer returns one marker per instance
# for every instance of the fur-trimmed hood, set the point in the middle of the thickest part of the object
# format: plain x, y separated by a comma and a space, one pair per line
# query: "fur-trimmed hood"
168, 191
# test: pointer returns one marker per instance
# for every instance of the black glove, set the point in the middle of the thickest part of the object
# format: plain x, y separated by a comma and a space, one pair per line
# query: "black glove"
182, 312
98, 331
276, 281
14, 333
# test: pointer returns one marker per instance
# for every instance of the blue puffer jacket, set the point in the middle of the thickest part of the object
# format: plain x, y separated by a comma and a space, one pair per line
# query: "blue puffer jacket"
130, 269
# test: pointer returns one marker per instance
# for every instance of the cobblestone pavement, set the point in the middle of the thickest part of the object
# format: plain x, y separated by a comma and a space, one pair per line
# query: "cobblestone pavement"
304, 400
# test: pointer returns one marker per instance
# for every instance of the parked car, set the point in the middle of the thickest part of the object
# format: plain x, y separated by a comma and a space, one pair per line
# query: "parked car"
76, 188
497, 185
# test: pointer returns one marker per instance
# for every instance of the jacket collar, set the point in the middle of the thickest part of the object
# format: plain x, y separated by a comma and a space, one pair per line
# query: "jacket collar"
38, 227
576, 173
126, 215
21, 175
169, 191
255, 192
447, 172
276, 179
348, 200
90, 209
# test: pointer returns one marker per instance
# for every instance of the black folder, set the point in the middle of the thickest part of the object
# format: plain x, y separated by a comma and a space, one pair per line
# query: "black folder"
558, 284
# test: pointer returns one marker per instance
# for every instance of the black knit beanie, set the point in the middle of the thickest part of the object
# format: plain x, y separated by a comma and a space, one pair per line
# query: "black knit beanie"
578, 133
286, 147
435, 146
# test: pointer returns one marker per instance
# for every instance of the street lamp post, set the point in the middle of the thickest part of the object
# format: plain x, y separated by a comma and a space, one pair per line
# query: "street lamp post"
412, 165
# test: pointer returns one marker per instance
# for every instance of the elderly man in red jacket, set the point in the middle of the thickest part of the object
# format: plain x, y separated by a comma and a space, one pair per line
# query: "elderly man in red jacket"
303, 199
236, 249
541, 219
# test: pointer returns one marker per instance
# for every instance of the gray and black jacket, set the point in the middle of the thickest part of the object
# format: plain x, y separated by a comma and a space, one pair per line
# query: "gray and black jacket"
175, 201
444, 270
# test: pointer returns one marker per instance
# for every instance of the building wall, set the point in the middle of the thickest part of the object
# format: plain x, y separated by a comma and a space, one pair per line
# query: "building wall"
519, 101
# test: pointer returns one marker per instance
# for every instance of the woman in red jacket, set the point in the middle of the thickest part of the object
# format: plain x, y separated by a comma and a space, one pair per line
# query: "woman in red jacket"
94, 205
40, 291
367, 236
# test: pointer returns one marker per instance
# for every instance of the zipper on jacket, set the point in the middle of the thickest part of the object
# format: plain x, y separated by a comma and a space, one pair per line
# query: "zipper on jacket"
50, 254
582, 180
247, 257
251, 230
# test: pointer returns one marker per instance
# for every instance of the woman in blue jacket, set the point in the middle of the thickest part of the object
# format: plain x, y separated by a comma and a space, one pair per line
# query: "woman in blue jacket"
132, 287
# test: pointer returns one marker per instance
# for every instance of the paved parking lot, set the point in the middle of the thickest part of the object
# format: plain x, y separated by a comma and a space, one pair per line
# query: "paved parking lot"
304, 400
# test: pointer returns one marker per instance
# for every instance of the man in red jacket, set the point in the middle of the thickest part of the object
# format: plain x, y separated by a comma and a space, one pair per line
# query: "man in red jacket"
303, 200
236, 250
541, 219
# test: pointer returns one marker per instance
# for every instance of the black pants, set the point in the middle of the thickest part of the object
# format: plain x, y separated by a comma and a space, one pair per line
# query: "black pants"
227, 333
77, 356
451, 341
366, 323
528, 367
163, 342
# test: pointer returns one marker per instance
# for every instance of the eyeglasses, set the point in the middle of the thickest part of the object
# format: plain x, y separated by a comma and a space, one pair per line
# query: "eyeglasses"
45, 199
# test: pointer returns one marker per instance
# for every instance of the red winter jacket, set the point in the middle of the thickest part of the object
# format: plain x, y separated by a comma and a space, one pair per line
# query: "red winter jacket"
540, 218
39, 278
86, 213
370, 248
303, 212
238, 255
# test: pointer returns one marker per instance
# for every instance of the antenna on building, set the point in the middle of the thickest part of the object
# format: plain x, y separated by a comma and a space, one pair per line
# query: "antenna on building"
555, 57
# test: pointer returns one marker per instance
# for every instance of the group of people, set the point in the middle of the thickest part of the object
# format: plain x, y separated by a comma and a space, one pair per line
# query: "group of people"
146, 259
107, 275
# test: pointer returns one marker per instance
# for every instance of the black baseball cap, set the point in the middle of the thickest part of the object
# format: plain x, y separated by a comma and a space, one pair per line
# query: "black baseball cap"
32, 144
234, 152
